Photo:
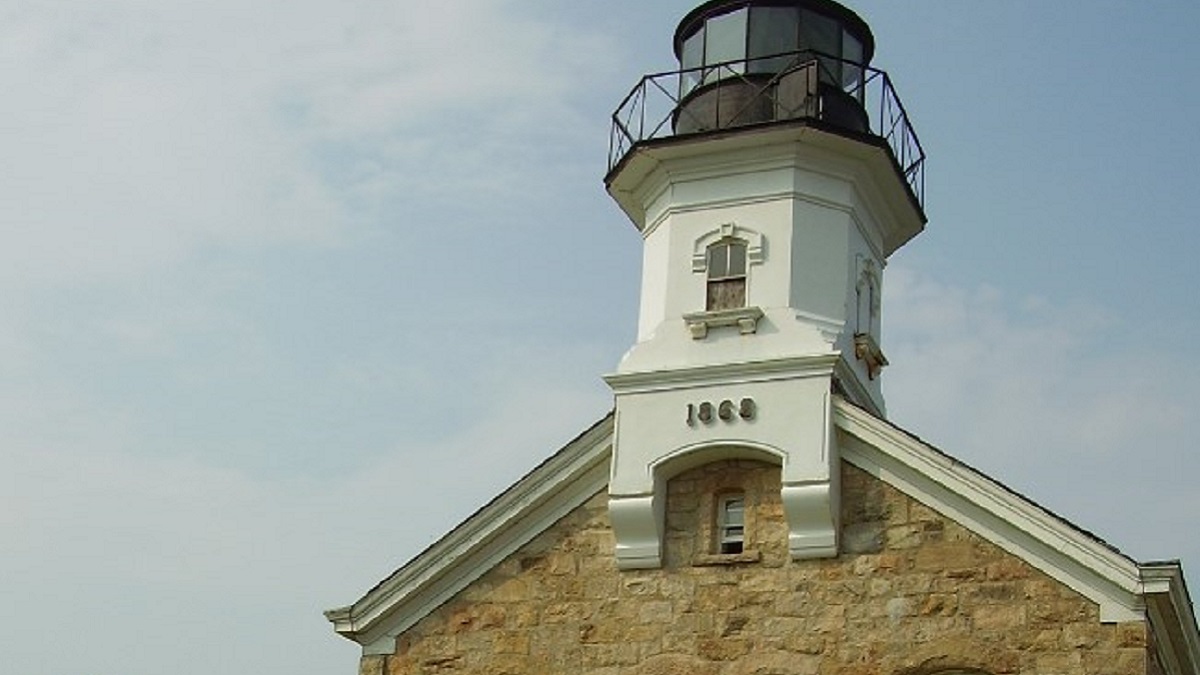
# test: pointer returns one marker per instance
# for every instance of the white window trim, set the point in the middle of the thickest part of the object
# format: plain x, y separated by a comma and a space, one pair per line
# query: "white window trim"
745, 318
754, 246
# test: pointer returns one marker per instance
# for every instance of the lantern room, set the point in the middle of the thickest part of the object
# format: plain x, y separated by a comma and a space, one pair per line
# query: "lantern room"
743, 62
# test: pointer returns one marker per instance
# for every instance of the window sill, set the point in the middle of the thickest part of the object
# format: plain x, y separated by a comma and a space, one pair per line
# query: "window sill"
710, 559
745, 318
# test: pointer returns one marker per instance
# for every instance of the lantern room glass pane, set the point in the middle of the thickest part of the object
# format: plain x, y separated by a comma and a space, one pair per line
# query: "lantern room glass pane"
773, 30
725, 40
852, 71
692, 57
822, 34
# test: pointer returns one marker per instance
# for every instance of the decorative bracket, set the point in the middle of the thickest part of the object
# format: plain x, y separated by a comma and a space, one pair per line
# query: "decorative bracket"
812, 517
866, 349
745, 318
637, 522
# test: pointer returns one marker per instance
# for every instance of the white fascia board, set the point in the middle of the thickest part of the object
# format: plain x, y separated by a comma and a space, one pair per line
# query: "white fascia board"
1172, 616
653, 167
722, 373
997, 514
561, 484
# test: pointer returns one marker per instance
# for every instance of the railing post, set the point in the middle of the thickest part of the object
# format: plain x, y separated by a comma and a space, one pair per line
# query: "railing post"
882, 103
642, 117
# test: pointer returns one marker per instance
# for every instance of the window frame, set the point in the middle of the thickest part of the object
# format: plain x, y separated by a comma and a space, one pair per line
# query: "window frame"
745, 317
736, 268
725, 540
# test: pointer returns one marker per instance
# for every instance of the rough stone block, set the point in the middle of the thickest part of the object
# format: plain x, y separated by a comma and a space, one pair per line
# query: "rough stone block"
911, 593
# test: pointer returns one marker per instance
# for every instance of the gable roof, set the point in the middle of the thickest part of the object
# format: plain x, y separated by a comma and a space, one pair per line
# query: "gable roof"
557, 486
1124, 589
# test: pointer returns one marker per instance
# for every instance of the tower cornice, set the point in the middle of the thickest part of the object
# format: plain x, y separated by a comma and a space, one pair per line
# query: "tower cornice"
723, 373
675, 175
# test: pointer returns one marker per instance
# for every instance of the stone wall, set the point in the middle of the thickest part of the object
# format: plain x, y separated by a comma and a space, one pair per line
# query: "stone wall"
912, 593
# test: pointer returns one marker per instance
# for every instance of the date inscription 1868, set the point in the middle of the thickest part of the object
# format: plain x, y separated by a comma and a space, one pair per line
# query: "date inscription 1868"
725, 411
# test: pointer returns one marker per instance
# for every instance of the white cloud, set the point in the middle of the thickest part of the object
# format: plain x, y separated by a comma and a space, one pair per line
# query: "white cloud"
149, 130
998, 359
133, 151
1061, 402
165, 554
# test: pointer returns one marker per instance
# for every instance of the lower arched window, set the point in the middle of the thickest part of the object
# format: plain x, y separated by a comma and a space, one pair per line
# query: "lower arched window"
731, 523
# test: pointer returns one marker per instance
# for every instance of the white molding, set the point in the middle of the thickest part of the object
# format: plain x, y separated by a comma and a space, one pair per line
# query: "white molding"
867, 167
874, 241
723, 373
854, 388
655, 188
829, 328
1172, 617
638, 519
812, 514
753, 239
758, 198
691, 456
745, 318
985, 507
565, 481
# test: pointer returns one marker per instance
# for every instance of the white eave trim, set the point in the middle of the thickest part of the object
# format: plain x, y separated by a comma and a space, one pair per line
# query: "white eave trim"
564, 482
1172, 617
1006, 519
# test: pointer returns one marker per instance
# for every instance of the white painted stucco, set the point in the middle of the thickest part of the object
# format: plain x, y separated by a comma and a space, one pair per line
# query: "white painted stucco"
815, 210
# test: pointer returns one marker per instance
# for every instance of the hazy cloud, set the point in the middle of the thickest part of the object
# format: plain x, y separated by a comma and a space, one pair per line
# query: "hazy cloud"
147, 130
1048, 398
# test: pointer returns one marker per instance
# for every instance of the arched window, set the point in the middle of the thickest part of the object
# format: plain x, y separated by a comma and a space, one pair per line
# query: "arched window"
726, 275
867, 320
724, 255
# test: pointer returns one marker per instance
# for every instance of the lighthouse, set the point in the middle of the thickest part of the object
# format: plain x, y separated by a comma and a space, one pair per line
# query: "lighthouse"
770, 176
747, 507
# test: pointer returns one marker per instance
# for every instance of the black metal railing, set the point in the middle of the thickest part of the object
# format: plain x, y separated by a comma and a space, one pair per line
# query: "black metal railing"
841, 95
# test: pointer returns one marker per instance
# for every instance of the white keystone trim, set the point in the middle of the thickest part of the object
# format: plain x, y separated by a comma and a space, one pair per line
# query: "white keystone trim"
752, 238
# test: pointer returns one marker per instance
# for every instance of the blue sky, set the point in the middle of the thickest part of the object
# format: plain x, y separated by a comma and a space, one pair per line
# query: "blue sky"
289, 289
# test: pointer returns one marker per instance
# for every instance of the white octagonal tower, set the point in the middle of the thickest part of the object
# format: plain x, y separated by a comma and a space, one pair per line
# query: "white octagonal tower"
771, 177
